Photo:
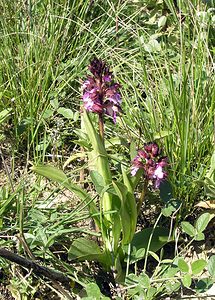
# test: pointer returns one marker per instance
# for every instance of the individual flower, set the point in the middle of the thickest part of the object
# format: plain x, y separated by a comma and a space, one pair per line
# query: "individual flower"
100, 94
152, 163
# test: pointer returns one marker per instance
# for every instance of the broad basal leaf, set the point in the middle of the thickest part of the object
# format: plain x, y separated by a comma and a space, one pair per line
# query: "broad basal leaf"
159, 237
84, 249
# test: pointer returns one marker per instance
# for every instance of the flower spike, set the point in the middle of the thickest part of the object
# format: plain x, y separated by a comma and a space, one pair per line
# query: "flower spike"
100, 94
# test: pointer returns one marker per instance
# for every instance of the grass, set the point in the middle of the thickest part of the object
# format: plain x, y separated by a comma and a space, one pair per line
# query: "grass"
163, 57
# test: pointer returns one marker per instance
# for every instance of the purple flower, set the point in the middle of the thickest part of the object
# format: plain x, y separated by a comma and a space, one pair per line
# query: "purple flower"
150, 161
100, 94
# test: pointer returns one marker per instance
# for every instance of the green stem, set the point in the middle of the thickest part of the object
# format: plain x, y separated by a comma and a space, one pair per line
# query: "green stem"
150, 239
142, 196
101, 126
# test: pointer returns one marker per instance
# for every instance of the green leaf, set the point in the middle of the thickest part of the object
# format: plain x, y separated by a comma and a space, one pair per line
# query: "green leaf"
66, 112
166, 191
151, 293
161, 134
211, 266
101, 160
170, 207
133, 151
170, 271
76, 116
93, 290
7, 204
84, 249
152, 46
183, 266
98, 181
48, 113
136, 179
198, 266
140, 240
125, 216
59, 176
211, 173
204, 285
172, 286
77, 155
187, 280
188, 228
4, 114
202, 222
144, 281
155, 256
162, 21
54, 103
200, 237
131, 201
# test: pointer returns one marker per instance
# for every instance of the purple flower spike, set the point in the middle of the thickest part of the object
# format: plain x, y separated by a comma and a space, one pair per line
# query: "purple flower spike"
149, 160
100, 94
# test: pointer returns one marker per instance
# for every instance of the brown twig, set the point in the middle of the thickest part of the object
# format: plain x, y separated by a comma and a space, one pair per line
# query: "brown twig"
38, 270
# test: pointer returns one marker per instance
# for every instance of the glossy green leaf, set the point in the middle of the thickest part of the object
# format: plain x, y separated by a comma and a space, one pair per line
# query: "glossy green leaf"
59, 176
188, 228
170, 207
209, 186
75, 156
84, 249
204, 285
187, 280
155, 256
133, 151
198, 266
183, 266
141, 239
200, 236
202, 222
162, 21
125, 217
93, 290
116, 226
54, 103
98, 181
211, 266
144, 281
66, 112
170, 271
130, 202
172, 286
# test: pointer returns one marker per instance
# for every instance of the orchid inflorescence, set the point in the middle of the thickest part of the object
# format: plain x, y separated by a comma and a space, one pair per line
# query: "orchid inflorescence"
152, 163
100, 94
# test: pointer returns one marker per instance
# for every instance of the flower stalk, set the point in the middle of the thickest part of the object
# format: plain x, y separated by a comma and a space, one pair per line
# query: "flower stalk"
101, 126
142, 196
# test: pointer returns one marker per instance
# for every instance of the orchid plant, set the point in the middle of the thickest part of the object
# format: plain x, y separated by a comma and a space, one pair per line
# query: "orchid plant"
118, 209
